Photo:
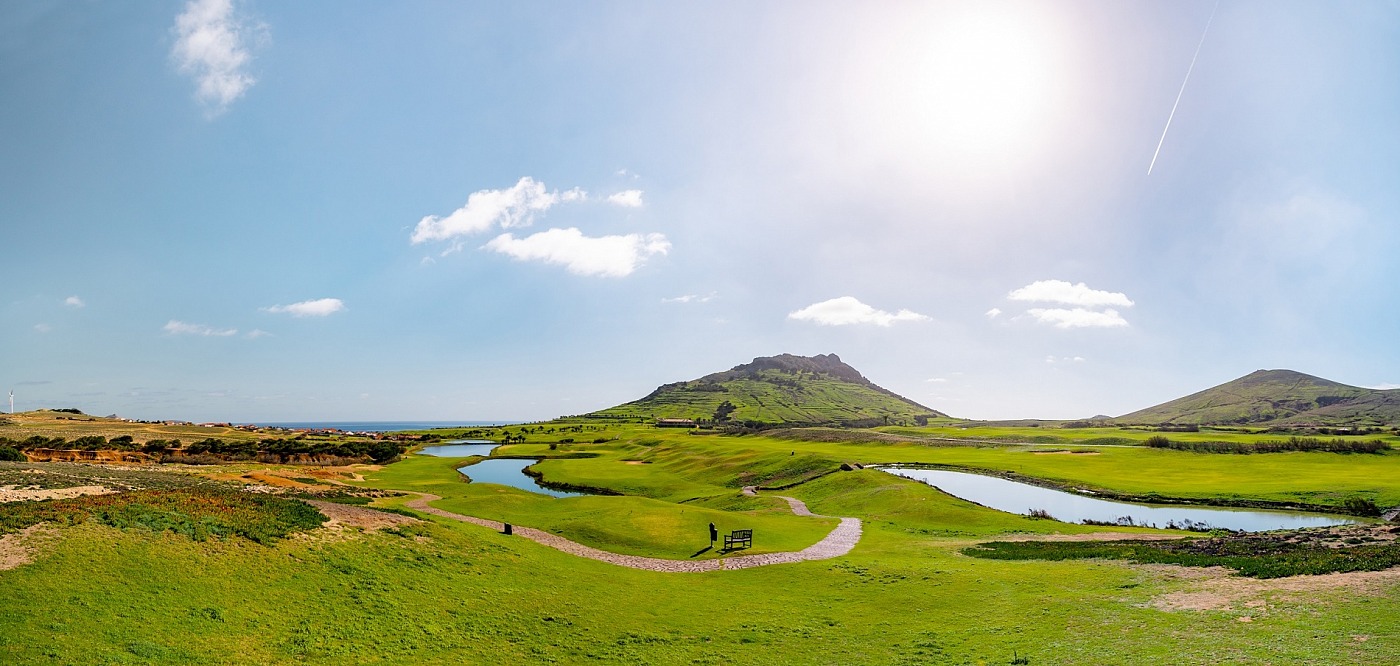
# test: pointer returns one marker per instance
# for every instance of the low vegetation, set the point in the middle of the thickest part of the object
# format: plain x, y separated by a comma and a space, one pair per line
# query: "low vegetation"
197, 513
1262, 555
1335, 445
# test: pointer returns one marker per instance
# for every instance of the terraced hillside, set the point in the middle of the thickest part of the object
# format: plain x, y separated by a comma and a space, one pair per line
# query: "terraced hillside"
783, 389
1277, 397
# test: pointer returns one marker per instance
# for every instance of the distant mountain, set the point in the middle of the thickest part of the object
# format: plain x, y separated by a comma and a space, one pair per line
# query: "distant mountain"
1276, 397
783, 389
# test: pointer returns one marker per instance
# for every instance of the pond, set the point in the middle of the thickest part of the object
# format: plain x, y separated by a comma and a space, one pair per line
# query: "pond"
510, 472
505, 471
1015, 497
461, 448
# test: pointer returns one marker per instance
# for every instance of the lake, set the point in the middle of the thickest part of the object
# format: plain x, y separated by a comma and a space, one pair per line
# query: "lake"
1015, 497
510, 472
461, 448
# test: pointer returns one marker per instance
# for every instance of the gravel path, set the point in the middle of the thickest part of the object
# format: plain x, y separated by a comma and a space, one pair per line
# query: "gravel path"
837, 543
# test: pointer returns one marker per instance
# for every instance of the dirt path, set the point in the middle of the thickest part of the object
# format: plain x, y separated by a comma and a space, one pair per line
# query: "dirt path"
838, 542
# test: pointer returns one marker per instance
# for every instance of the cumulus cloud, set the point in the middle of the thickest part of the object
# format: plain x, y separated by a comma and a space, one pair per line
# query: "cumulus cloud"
1059, 291
993, 313
211, 46
74, 301
607, 256
1077, 317
176, 327
847, 310
1064, 359
627, 199
515, 206
320, 307
256, 333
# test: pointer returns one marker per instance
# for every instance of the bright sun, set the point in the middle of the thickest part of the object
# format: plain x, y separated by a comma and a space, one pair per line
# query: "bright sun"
973, 89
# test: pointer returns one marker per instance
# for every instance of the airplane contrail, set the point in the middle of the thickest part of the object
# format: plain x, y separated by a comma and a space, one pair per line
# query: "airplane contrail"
1183, 88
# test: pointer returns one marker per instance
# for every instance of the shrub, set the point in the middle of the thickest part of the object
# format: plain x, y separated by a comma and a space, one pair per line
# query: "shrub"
1361, 506
10, 454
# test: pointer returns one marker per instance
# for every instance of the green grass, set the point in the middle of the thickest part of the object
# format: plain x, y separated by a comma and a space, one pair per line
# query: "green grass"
770, 396
448, 592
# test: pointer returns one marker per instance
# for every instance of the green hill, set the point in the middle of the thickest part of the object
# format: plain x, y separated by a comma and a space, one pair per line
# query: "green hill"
1277, 397
783, 389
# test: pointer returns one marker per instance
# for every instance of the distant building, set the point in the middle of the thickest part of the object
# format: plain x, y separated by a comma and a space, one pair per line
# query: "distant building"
675, 423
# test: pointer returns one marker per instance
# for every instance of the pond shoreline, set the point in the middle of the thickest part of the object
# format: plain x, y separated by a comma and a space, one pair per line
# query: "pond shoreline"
1106, 494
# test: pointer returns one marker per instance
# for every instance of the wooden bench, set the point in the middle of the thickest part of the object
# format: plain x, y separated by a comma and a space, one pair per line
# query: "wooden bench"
738, 539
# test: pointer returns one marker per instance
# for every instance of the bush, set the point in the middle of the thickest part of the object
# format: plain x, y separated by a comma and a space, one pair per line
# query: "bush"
10, 454
1360, 506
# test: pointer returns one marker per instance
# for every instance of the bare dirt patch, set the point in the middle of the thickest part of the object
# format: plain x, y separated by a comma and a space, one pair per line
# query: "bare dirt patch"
637, 462
1214, 588
17, 549
359, 516
29, 494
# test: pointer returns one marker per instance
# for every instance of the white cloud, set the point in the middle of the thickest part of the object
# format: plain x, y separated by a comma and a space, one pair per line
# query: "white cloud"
212, 46
627, 199
1064, 359
515, 206
1078, 318
320, 307
937, 380
993, 313
847, 310
42, 328
608, 256
74, 301
257, 333
691, 298
175, 327
1385, 387
1059, 291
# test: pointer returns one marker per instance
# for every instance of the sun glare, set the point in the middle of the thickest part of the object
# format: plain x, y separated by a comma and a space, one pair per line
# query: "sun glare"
979, 89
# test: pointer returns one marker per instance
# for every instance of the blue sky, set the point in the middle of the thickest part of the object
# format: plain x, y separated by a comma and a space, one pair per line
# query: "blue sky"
434, 210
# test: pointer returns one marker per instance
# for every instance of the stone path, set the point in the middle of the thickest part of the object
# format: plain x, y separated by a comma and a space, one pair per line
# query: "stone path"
837, 543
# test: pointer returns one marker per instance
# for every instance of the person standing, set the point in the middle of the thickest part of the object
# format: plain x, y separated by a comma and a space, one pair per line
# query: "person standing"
714, 534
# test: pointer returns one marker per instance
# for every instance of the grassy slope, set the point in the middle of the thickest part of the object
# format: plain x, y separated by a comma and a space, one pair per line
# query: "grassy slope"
1277, 396
772, 397
466, 594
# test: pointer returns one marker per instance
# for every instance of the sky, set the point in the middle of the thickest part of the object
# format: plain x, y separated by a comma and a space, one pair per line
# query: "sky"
241, 210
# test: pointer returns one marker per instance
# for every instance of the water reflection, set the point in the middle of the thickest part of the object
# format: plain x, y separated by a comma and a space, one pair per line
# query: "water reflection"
1015, 497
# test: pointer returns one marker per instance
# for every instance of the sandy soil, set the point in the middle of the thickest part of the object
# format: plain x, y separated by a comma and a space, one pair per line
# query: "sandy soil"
16, 494
1214, 588
17, 549
358, 516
